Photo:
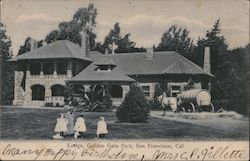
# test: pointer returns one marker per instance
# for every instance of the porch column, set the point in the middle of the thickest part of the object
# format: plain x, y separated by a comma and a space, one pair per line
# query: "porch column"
28, 70
48, 94
41, 69
209, 86
69, 70
55, 70
125, 89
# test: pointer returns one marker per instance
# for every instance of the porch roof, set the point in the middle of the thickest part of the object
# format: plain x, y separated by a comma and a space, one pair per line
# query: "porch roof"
101, 76
56, 50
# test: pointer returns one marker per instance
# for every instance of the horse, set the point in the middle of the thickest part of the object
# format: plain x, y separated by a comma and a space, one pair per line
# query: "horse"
167, 101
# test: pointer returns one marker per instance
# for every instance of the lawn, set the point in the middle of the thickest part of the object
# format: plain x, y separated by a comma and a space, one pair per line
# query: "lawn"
28, 123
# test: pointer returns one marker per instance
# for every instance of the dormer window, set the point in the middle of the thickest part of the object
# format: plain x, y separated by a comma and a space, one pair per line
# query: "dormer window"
104, 68
105, 65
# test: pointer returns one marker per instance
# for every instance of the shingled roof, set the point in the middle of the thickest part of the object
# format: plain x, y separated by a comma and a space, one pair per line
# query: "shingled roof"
163, 62
55, 50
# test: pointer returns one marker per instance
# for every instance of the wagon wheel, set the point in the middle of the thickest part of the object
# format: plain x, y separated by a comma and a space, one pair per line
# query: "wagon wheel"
189, 107
193, 107
181, 109
212, 107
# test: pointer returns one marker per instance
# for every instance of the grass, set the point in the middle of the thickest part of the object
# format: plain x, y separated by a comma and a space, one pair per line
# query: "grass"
24, 123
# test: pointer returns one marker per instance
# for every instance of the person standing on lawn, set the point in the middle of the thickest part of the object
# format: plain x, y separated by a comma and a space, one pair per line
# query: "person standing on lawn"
69, 116
102, 129
61, 127
80, 126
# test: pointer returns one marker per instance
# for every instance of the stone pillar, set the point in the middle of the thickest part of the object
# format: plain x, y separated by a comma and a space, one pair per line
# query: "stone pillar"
69, 69
27, 70
28, 92
152, 90
125, 90
19, 93
48, 92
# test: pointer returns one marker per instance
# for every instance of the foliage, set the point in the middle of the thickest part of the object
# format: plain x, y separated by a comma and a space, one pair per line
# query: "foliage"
216, 42
232, 78
177, 39
135, 107
123, 43
75, 93
107, 102
71, 30
26, 46
7, 70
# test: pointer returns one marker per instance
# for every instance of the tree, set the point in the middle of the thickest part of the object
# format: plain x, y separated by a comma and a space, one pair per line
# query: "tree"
177, 39
123, 43
71, 30
7, 71
232, 80
135, 107
217, 44
26, 46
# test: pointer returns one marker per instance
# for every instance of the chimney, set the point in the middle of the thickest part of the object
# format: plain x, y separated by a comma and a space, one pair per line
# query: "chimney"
149, 54
207, 65
33, 44
85, 45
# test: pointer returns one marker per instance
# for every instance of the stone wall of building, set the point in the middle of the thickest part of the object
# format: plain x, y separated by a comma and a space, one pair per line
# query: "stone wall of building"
19, 92
46, 80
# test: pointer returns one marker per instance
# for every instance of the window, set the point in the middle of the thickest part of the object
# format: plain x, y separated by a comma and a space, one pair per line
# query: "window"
175, 88
104, 68
116, 91
57, 90
62, 68
38, 92
146, 90
48, 68
35, 68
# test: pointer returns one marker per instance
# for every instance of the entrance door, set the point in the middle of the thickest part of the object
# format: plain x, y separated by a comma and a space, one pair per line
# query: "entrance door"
38, 93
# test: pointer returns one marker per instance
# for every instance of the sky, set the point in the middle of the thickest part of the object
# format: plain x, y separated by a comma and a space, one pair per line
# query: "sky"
145, 20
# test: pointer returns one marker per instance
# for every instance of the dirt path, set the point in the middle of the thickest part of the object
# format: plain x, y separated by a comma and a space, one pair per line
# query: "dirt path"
230, 125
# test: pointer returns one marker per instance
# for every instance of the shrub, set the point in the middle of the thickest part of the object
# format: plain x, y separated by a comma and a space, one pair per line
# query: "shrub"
135, 107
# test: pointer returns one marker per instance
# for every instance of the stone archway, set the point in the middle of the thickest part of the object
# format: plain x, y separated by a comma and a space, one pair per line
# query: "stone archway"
57, 90
38, 92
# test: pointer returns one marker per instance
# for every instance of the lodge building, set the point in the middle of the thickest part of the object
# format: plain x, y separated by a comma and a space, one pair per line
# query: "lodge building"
41, 74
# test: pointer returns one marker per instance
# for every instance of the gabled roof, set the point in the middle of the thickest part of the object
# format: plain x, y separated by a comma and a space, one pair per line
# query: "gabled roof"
128, 64
101, 76
163, 62
55, 50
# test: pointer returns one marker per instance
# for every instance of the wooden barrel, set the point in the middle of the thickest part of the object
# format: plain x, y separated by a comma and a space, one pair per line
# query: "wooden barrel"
200, 97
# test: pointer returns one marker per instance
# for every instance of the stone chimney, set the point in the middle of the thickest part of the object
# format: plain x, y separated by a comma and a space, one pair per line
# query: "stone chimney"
33, 44
207, 65
85, 45
149, 54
